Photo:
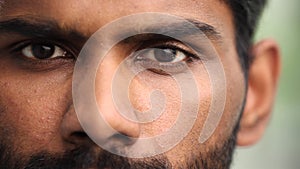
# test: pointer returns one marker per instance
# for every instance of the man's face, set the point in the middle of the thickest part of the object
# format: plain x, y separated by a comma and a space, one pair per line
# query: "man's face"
38, 123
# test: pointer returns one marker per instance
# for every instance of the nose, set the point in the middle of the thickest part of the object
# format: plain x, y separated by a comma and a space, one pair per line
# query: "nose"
73, 132
71, 129
119, 126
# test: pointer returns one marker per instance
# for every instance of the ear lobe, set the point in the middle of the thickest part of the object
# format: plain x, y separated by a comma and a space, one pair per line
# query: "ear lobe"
262, 84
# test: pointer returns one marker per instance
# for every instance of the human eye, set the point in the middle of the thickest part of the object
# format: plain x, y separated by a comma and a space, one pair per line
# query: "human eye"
42, 54
39, 51
42, 50
166, 59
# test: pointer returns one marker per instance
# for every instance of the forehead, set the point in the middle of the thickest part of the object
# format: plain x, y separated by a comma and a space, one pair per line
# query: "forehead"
88, 16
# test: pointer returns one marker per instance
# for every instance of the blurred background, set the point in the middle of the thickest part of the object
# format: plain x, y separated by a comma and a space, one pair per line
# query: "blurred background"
280, 146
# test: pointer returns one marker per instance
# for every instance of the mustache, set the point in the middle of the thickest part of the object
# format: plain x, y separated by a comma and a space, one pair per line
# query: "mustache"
85, 158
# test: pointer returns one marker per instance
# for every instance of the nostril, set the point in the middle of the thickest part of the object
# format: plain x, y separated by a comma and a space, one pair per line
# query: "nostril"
80, 138
79, 135
123, 139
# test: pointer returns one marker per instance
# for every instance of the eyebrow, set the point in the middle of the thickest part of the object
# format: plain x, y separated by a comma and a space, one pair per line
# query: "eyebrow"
38, 28
47, 28
207, 29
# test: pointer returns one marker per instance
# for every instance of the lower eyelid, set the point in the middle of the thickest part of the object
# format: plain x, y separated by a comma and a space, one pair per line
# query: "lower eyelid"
167, 67
43, 65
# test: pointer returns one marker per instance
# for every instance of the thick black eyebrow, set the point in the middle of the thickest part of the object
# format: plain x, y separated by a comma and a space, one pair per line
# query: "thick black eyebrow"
182, 28
39, 28
207, 29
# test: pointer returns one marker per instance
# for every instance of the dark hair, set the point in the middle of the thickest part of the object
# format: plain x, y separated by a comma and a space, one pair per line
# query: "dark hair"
246, 15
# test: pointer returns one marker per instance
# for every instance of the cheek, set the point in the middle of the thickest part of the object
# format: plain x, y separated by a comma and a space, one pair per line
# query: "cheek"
146, 82
157, 95
33, 105
235, 94
171, 99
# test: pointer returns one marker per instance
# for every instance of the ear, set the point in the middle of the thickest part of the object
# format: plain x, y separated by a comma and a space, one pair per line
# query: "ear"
262, 84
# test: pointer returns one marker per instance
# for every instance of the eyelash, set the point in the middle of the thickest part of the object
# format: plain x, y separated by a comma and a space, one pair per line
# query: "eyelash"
18, 47
189, 54
41, 65
174, 67
55, 62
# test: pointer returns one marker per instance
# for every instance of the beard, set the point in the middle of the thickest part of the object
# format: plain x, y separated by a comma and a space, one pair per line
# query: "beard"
85, 157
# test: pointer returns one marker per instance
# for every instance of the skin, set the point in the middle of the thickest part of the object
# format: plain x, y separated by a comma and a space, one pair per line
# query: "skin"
36, 109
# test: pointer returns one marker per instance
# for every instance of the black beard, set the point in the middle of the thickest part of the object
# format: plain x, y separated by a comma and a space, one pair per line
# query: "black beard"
84, 157
81, 158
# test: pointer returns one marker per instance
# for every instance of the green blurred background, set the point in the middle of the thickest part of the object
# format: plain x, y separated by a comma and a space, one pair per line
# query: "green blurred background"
280, 147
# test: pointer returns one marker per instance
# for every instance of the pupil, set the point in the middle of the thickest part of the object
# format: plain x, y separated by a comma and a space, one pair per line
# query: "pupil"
41, 51
165, 55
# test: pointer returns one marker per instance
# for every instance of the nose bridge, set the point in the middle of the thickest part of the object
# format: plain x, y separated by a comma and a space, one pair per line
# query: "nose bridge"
112, 126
